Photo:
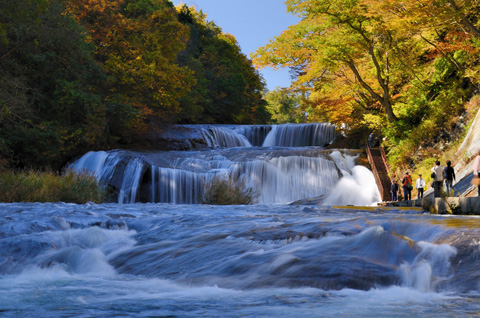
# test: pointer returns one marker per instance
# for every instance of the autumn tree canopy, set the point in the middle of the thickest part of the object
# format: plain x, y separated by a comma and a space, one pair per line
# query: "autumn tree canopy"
405, 68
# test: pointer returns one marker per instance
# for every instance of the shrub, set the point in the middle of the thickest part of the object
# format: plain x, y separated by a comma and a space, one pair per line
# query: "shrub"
33, 186
225, 191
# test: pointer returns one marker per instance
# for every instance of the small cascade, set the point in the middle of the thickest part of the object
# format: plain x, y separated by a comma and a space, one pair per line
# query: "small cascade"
93, 162
429, 268
300, 135
357, 187
101, 164
224, 137
286, 179
131, 181
256, 134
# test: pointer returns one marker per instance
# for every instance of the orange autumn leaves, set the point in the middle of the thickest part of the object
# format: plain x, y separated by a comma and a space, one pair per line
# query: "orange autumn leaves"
356, 57
138, 44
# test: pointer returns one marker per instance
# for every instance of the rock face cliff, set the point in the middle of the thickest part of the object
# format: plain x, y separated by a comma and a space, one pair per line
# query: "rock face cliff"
465, 155
471, 144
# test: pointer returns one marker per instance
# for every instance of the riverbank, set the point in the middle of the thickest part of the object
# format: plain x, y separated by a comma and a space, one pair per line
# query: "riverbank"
447, 205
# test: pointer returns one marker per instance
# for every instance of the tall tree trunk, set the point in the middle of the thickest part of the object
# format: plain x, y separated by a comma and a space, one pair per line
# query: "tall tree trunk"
384, 100
382, 80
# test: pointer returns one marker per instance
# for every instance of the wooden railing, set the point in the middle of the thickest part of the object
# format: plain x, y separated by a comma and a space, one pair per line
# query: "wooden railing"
375, 172
385, 162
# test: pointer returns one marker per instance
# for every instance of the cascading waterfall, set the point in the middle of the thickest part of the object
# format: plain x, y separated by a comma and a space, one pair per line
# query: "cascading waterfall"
255, 134
277, 179
277, 174
220, 136
229, 138
131, 181
300, 135
100, 164
286, 179
285, 135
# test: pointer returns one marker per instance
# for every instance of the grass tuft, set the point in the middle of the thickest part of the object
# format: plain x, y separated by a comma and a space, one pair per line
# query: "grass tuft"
225, 191
34, 186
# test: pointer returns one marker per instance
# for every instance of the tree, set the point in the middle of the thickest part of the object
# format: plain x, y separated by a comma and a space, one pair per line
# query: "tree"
228, 89
285, 106
50, 110
137, 42
336, 43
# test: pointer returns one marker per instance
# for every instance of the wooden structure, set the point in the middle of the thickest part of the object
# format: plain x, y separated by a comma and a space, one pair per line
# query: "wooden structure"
380, 169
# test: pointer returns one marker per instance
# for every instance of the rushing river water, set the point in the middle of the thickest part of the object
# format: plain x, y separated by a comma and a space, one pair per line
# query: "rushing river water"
165, 260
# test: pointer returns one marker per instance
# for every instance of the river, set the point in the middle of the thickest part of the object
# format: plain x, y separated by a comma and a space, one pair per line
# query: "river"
166, 260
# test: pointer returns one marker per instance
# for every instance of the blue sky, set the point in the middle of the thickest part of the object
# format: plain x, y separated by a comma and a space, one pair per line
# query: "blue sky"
253, 23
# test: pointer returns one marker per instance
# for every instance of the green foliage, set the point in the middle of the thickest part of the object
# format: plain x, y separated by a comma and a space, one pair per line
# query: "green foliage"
284, 106
225, 191
31, 186
228, 89
48, 78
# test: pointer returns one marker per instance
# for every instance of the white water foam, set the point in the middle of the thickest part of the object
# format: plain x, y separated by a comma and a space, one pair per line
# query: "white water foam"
430, 267
358, 188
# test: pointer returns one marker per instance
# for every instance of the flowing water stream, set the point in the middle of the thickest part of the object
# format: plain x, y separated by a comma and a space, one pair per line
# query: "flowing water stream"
159, 254
166, 260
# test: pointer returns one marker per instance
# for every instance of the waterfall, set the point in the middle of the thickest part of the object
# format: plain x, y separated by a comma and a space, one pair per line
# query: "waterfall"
100, 164
131, 181
256, 134
223, 137
288, 170
300, 135
284, 135
286, 179
279, 176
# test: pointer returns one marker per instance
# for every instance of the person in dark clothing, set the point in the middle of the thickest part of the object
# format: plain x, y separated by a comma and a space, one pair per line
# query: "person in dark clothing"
394, 190
371, 140
449, 176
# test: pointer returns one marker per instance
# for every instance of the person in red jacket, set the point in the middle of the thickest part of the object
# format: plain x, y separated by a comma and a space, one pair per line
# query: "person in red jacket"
407, 186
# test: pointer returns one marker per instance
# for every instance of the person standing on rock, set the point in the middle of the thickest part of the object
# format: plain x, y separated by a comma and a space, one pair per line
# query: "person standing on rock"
407, 186
420, 185
449, 175
437, 177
